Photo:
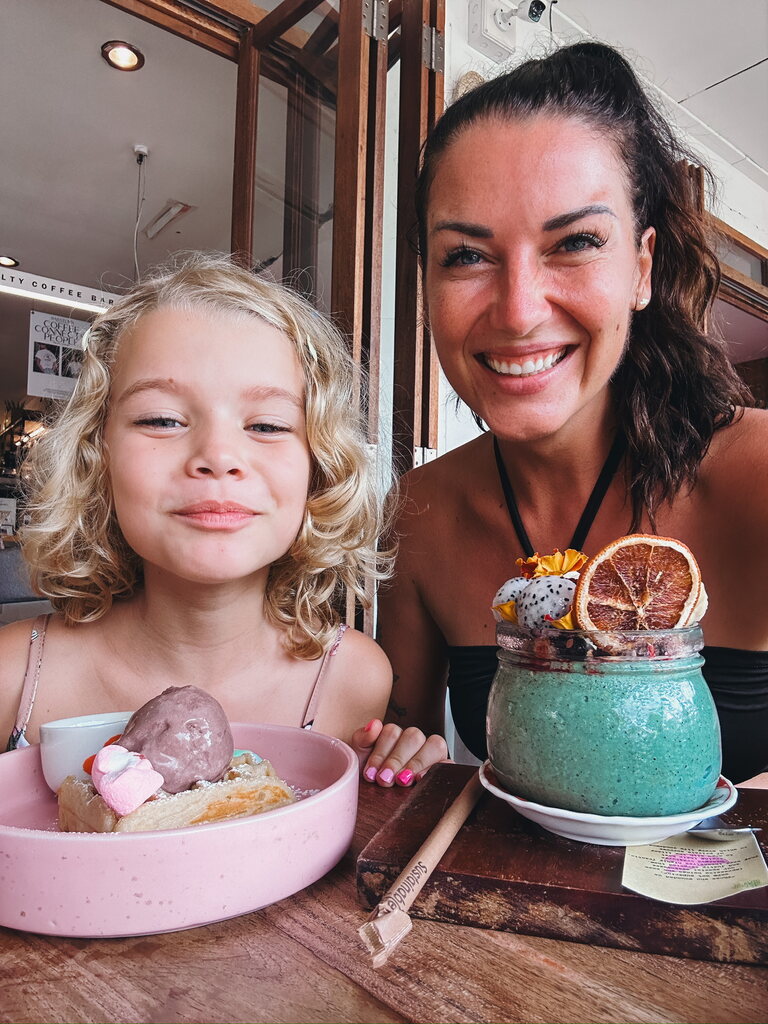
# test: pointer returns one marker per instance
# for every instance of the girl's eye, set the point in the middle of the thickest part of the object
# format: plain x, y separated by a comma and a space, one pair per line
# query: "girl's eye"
159, 422
461, 257
581, 242
269, 428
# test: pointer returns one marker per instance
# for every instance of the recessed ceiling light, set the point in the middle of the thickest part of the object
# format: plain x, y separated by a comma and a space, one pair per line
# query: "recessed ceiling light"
121, 55
8, 261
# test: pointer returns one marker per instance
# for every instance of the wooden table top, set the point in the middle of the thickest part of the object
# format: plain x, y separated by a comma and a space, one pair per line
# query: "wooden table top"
302, 960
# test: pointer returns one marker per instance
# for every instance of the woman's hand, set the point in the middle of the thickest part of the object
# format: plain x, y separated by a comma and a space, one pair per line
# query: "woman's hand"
392, 756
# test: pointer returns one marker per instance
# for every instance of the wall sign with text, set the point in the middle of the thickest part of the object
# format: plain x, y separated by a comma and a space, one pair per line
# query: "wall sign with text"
55, 354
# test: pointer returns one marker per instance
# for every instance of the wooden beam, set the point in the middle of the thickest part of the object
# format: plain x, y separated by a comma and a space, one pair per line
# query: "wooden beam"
301, 220
347, 278
430, 398
184, 22
244, 176
742, 291
735, 236
318, 66
326, 33
374, 229
277, 22
409, 393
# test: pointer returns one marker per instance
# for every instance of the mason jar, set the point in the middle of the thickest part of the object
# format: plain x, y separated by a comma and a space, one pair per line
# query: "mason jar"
604, 723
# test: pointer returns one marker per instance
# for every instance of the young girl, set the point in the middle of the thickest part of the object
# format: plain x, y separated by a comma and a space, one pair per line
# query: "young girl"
203, 497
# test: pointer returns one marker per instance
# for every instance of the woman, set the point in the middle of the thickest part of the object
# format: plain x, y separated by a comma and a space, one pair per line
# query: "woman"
568, 281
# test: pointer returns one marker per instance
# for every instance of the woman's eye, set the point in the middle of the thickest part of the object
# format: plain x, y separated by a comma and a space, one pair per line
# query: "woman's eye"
581, 242
461, 257
158, 422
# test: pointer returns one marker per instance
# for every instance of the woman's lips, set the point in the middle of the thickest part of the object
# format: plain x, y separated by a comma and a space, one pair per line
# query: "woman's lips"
215, 515
524, 365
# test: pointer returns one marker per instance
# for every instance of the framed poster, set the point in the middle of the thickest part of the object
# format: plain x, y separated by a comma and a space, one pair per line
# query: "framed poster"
55, 354
7, 515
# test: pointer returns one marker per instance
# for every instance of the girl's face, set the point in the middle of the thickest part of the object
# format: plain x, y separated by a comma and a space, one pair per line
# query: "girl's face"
208, 455
532, 272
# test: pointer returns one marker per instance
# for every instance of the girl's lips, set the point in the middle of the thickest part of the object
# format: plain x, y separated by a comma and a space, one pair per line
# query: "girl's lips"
216, 507
215, 515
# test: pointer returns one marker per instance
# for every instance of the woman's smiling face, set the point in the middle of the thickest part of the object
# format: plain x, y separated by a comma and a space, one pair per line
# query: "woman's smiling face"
533, 270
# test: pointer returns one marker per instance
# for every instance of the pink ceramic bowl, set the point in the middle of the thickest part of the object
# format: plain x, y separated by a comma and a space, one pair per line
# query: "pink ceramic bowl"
91, 886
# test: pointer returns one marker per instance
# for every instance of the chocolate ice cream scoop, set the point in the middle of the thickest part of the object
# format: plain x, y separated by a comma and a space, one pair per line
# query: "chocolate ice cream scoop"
185, 734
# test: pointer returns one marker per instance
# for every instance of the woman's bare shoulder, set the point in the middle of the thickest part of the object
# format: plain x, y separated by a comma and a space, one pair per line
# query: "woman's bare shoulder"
447, 479
737, 462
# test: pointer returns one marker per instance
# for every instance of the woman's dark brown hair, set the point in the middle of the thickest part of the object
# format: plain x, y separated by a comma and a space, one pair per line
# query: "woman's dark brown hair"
675, 385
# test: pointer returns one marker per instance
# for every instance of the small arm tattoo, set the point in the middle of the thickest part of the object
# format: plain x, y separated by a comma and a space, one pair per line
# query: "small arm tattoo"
396, 708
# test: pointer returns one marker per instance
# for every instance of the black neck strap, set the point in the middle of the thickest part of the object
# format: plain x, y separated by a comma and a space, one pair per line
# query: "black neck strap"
595, 500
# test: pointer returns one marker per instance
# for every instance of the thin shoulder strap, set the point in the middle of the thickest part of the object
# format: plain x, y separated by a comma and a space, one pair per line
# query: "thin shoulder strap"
31, 679
310, 711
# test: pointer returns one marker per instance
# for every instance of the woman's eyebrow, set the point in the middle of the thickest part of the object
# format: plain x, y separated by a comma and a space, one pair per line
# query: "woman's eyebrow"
564, 219
463, 228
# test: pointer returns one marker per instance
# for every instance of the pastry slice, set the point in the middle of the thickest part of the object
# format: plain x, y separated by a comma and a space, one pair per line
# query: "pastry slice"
249, 787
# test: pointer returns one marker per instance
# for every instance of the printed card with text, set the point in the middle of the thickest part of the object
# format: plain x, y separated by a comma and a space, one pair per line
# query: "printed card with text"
691, 869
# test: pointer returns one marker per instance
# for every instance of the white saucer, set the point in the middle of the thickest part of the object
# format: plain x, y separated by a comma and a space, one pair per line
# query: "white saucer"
612, 831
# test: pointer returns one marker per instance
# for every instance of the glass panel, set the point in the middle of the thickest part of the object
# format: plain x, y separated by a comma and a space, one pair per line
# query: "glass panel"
293, 210
741, 259
71, 183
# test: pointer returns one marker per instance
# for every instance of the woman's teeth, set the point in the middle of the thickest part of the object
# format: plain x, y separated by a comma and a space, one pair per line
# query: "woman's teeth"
527, 367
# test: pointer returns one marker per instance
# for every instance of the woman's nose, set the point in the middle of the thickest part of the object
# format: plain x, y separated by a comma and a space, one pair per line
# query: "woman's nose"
520, 302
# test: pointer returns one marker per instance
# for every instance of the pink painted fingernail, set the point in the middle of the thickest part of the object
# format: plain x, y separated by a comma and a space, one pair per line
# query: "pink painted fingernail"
370, 774
386, 776
370, 725
405, 777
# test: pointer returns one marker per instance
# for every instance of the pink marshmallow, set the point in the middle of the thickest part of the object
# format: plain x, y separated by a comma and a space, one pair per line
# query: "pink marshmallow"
123, 778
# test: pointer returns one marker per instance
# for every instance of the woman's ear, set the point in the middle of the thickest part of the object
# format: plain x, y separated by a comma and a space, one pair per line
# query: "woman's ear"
645, 260
644, 268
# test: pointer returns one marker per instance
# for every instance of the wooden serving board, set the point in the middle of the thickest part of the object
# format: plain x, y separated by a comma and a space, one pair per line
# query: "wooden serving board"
505, 872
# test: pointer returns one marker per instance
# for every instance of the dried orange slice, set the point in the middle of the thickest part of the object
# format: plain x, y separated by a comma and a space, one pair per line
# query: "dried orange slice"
638, 582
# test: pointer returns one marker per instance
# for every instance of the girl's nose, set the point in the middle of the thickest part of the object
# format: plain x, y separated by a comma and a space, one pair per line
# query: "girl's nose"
521, 303
215, 457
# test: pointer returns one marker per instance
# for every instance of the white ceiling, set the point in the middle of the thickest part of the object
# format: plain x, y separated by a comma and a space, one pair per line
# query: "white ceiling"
686, 47
68, 124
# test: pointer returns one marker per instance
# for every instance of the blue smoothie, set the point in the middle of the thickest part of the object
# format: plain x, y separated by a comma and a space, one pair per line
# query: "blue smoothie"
604, 734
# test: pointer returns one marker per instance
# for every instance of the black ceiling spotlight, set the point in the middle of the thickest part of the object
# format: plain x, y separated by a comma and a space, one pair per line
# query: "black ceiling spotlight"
122, 56
8, 261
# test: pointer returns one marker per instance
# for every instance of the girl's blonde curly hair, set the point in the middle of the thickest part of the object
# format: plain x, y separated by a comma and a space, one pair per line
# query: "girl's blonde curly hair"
76, 551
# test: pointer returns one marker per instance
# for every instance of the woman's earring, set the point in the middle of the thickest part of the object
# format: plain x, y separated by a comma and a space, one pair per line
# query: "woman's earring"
642, 303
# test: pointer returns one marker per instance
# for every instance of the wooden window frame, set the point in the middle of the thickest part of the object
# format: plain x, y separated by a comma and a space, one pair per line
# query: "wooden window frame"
241, 31
416, 379
736, 287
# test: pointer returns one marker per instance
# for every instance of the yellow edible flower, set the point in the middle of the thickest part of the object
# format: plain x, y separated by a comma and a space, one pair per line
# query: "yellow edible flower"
556, 564
564, 622
508, 611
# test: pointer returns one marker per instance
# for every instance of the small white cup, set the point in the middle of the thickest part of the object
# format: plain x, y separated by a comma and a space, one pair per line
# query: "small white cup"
66, 743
